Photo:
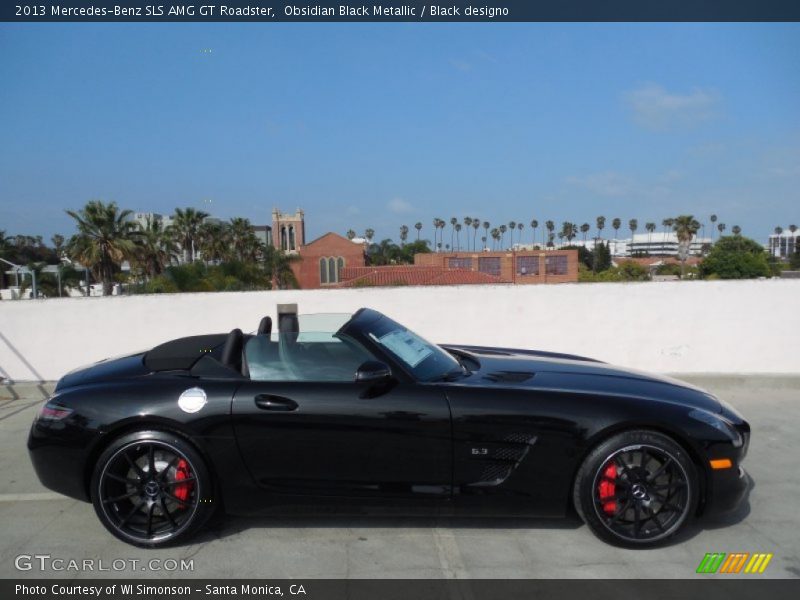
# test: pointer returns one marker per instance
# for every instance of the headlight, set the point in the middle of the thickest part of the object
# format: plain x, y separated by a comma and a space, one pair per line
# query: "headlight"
719, 424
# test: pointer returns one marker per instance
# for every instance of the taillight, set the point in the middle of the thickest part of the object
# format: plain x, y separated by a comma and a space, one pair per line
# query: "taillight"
54, 412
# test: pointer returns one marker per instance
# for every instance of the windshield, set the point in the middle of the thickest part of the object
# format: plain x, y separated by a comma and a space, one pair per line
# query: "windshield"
426, 361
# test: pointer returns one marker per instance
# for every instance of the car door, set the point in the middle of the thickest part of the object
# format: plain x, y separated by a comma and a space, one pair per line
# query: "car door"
305, 427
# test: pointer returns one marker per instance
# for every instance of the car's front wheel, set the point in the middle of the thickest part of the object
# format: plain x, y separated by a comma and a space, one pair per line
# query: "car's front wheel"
151, 488
636, 489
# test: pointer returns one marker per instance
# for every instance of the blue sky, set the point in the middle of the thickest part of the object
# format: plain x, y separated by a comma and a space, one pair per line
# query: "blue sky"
377, 125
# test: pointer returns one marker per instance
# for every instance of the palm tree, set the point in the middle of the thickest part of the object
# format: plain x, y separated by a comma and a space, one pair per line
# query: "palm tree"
105, 238
351, 234
403, 234
369, 234
58, 244
601, 223
467, 224
436, 221
520, 226
550, 226
650, 227
476, 224
685, 227
214, 242
278, 266
418, 227
550, 237
512, 225
584, 230
778, 232
713, 219
568, 231
633, 225
154, 249
244, 243
721, 227
185, 226
667, 223
534, 226
736, 230
503, 230
458, 236
793, 229
483, 240
616, 224
486, 226
495, 233
453, 221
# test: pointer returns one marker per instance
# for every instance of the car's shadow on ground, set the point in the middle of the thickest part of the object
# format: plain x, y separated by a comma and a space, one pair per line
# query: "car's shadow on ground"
222, 527
226, 526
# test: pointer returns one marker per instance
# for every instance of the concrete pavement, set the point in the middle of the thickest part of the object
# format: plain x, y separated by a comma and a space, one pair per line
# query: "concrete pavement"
34, 521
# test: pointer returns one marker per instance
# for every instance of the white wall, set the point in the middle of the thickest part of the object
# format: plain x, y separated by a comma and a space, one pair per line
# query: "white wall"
677, 327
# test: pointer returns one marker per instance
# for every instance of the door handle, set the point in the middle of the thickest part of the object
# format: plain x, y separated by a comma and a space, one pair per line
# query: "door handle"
270, 402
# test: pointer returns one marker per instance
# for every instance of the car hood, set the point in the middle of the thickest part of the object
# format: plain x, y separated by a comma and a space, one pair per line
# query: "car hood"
105, 370
534, 370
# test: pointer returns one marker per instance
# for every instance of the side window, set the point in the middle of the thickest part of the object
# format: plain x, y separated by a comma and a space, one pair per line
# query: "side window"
304, 356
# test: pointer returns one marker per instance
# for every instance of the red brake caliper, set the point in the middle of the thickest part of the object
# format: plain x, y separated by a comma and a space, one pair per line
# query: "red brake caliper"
182, 490
607, 489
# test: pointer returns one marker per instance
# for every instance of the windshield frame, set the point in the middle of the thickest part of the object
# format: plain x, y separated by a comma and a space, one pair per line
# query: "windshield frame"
367, 323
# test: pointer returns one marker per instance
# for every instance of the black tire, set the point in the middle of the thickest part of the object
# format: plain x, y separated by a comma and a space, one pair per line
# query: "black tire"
636, 489
152, 489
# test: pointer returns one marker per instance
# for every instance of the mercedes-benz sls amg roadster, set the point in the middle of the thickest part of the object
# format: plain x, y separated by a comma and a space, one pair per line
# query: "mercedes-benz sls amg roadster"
356, 412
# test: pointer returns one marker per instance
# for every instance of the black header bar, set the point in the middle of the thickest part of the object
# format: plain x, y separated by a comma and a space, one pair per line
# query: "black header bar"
272, 11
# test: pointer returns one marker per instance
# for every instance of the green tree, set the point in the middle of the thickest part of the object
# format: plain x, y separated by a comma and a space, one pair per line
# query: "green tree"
735, 257
186, 227
403, 234
534, 227
105, 238
154, 249
686, 227
351, 234
418, 227
278, 268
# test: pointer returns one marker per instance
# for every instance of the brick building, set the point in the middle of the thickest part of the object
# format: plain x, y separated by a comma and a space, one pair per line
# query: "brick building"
323, 260
521, 267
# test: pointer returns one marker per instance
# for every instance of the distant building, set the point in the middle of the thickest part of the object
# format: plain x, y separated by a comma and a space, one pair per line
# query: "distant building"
470, 268
660, 243
783, 245
324, 260
288, 230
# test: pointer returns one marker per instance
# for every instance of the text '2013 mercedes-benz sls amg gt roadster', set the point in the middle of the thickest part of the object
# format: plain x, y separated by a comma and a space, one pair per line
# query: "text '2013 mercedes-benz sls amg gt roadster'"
358, 413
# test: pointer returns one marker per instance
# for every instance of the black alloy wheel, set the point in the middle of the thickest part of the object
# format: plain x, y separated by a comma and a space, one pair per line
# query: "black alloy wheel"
636, 489
151, 488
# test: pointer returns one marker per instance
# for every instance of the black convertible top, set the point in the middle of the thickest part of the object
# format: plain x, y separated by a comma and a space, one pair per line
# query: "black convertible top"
181, 354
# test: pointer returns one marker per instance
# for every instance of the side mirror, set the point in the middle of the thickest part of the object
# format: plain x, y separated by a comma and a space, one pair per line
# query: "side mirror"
373, 371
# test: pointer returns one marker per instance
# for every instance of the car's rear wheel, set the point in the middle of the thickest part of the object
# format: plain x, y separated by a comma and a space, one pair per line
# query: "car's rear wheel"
151, 488
636, 489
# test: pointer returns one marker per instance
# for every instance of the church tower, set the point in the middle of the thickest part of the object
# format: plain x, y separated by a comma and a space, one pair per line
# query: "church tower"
288, 230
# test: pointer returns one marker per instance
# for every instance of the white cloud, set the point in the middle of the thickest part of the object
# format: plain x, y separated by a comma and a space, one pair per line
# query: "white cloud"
400, 207
460, 65
658, 109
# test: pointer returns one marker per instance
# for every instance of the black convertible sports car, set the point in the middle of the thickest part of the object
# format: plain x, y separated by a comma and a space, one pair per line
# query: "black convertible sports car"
358, 413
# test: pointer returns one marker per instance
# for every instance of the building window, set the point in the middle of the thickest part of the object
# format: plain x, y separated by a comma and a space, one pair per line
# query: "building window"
527, 265
556, 265
323, 270
339, 267
291, 238
490, 265
283, 238
460, 263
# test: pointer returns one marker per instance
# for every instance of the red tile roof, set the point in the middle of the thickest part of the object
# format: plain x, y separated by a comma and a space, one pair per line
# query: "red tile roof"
412, 275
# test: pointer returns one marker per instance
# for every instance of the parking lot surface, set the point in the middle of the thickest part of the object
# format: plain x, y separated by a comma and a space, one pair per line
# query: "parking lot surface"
36, 522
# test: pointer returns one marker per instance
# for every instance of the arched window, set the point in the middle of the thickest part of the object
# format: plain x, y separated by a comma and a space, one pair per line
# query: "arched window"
339, 267
323, 270
291, 238
332, 278
283, 238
